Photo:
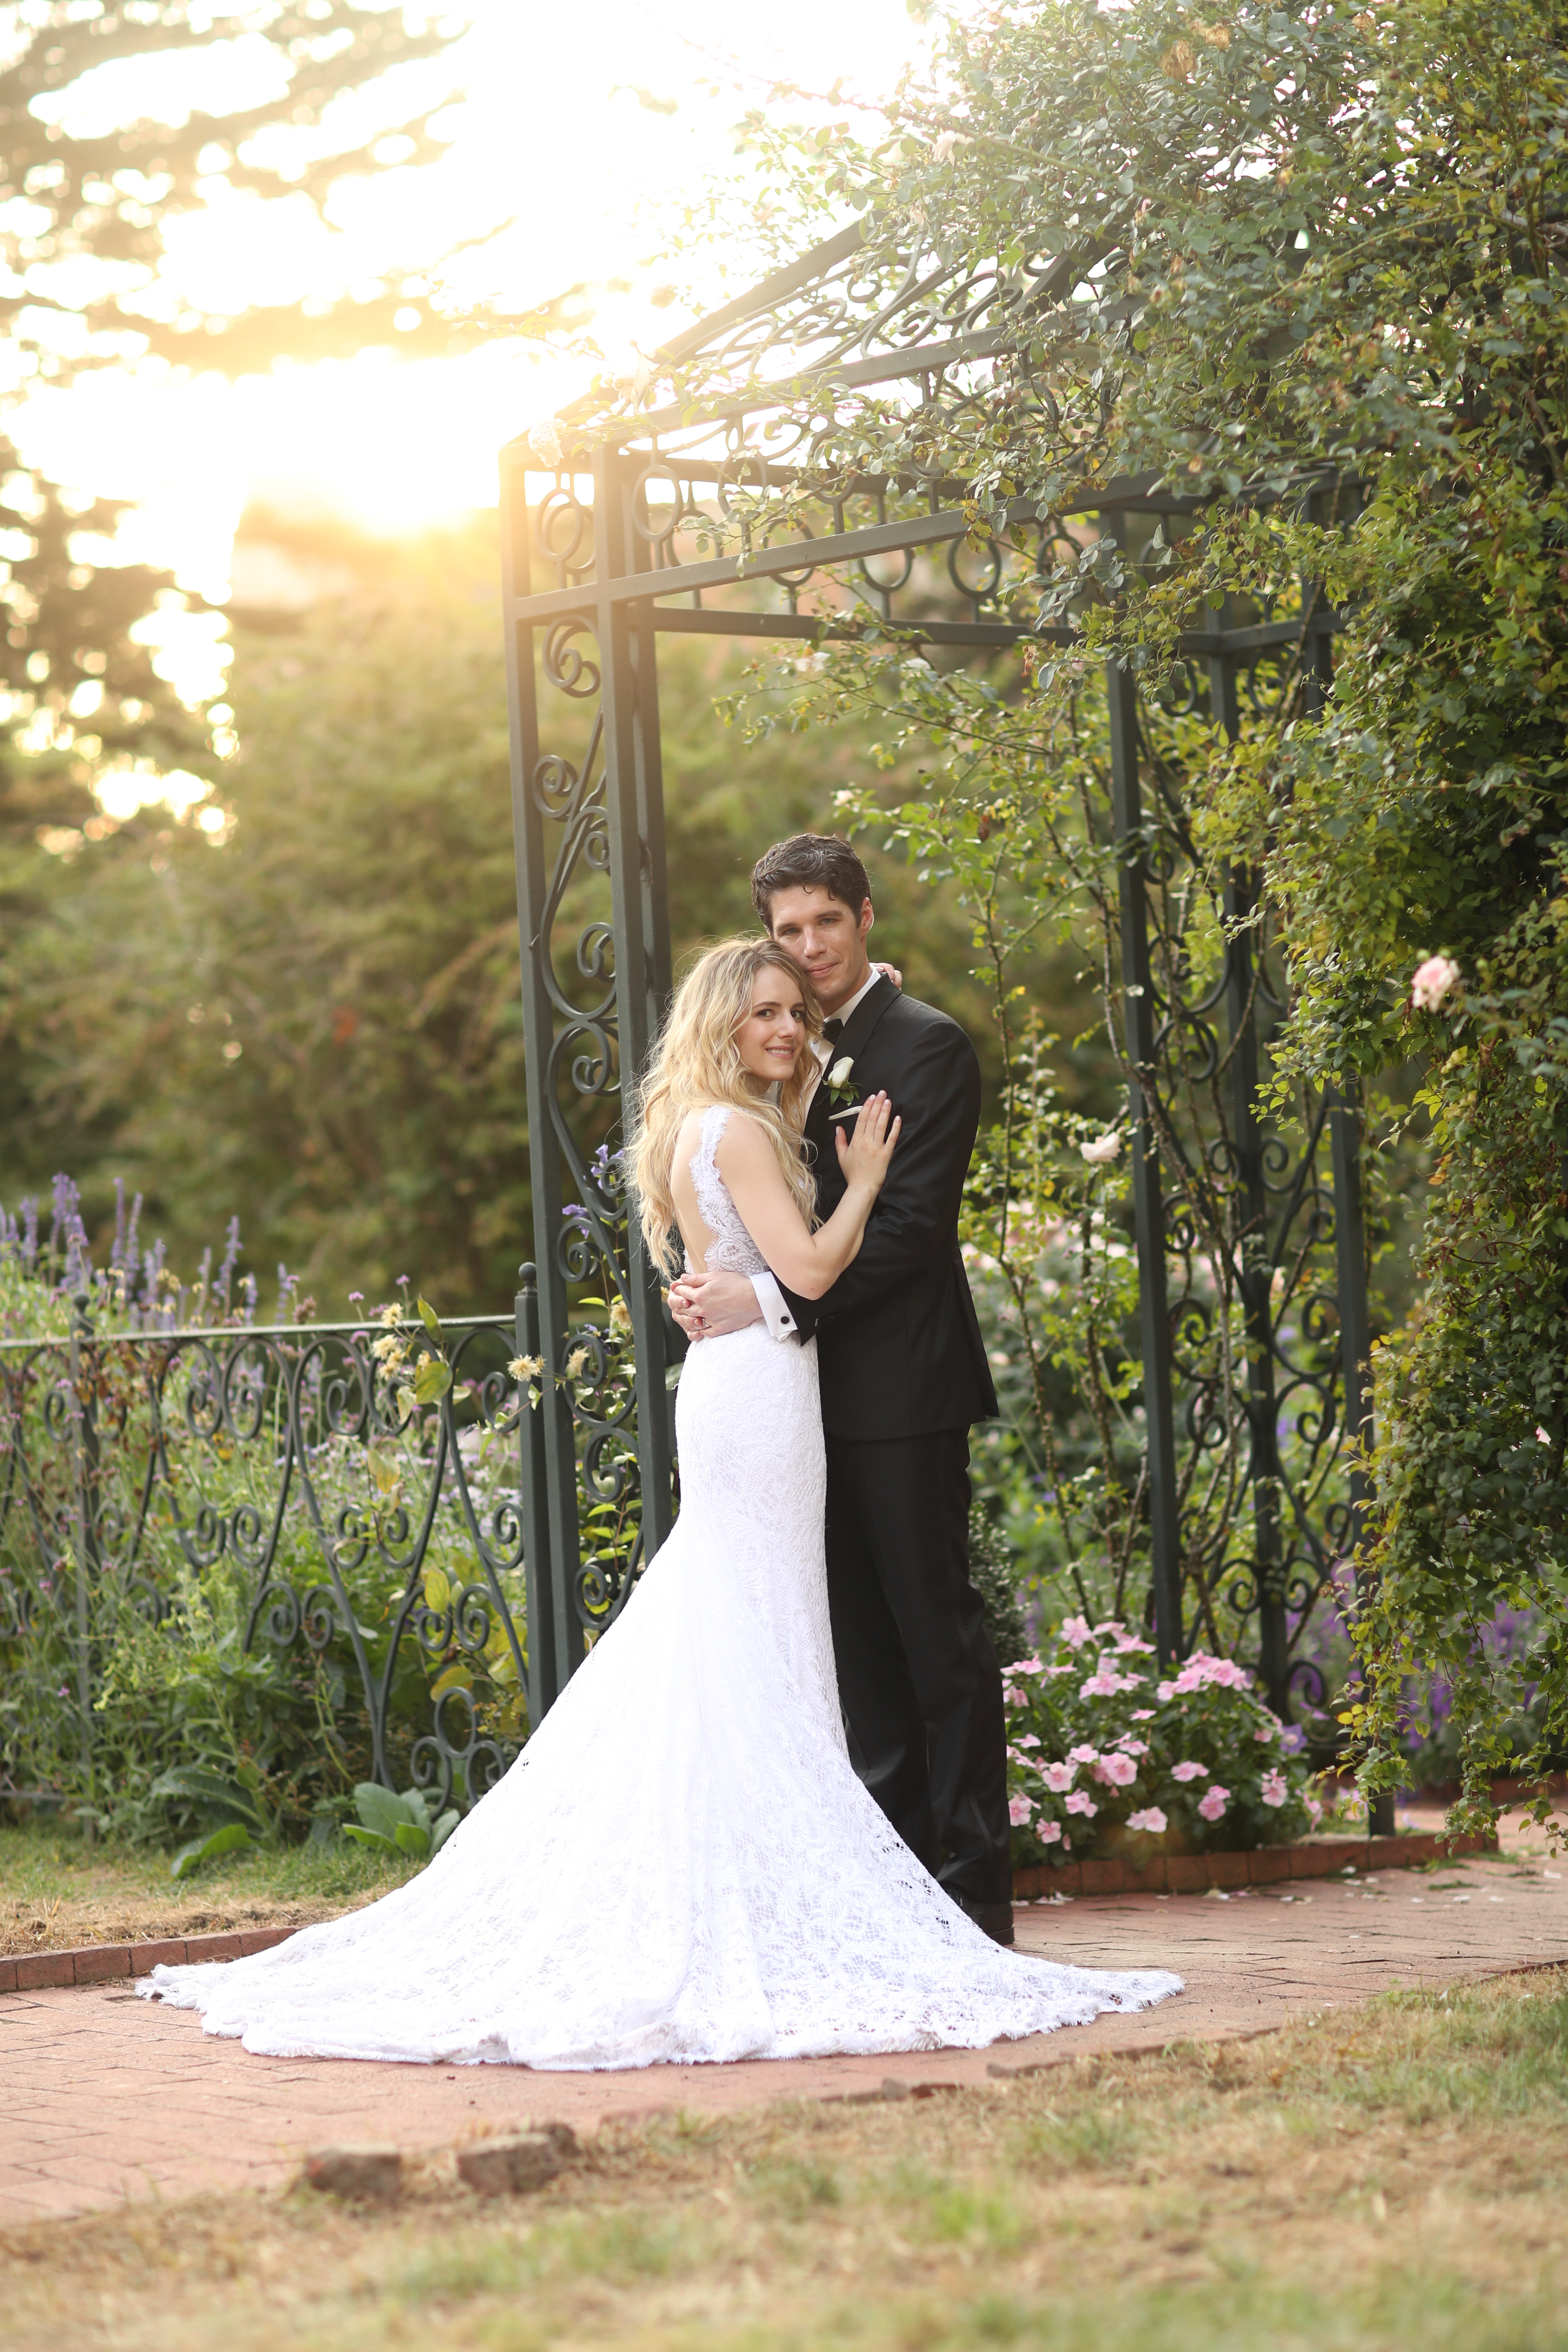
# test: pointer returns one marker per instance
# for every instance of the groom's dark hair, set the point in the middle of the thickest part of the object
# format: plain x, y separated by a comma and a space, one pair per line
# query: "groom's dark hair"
809, 861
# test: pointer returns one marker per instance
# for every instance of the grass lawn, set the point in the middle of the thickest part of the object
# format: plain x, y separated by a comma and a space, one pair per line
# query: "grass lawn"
1385, 2180
56, 1890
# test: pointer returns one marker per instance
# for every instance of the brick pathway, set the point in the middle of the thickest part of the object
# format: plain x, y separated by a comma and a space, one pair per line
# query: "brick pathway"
97, 2108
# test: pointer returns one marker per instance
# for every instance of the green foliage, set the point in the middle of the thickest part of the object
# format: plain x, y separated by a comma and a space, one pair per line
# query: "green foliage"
82, 238
232, 1838
401, 1824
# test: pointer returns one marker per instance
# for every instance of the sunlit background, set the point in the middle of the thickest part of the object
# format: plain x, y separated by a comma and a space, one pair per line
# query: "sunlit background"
572, 134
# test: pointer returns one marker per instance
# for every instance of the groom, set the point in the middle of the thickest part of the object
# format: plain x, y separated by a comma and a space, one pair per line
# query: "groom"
903, 1374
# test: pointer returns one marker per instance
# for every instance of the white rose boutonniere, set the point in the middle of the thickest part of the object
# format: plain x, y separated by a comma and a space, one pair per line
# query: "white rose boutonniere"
839, 1083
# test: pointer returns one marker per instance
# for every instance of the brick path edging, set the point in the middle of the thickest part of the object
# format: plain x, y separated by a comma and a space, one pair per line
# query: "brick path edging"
1267, 1865
1172, 1874
99, 1963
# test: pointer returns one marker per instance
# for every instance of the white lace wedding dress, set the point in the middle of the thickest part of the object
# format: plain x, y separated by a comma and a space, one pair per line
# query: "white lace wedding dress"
681, 1865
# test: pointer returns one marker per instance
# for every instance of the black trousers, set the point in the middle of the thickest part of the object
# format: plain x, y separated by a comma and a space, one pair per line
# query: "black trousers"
917, 1674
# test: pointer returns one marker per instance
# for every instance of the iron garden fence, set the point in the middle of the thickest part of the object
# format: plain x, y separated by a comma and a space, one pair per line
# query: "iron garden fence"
263, 1494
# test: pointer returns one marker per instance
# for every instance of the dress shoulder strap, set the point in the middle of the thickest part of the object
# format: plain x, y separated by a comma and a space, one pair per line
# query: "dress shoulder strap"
713, 1199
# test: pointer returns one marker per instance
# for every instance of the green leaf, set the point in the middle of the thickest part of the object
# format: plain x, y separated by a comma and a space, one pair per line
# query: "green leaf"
432, 1381
438, 1589
379, 1810
410, 1839
228, 1840
204, 1788
443, 1830
362, 1836
457, 1677
429, 1317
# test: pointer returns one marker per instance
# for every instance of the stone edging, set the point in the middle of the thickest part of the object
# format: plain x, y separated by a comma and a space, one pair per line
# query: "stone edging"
99, 1963
1194, 1874
1163, 1874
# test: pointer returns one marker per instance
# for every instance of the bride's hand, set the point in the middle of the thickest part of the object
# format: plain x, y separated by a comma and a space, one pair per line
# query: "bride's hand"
864, 1157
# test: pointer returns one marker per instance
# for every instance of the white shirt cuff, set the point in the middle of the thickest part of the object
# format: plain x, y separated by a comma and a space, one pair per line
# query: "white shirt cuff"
775, 1314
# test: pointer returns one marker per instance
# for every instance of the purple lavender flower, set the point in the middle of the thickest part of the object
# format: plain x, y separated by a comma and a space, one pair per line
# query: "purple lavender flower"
229, 1261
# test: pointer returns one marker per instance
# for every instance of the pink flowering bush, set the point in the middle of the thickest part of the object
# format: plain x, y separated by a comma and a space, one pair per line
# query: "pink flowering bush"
1102, 1744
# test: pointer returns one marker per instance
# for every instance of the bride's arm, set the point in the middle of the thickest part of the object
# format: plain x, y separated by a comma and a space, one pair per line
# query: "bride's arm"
810, 1263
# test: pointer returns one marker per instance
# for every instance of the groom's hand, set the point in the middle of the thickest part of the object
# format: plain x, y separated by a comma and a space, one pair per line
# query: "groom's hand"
706, 1305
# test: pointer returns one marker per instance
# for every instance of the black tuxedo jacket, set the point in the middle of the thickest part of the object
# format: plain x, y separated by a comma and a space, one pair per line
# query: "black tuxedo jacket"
898, 1340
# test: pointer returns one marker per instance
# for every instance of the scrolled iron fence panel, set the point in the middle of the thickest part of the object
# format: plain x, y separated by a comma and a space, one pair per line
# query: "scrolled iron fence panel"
137, 1468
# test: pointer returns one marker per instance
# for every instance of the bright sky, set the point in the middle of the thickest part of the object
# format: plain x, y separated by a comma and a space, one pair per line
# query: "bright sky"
546, 123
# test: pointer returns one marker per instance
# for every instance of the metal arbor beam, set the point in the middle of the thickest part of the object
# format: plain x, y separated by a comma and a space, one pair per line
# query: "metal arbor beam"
547, 1456
639, 898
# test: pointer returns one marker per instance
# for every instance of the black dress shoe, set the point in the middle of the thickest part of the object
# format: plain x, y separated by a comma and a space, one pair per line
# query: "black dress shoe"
996, 1919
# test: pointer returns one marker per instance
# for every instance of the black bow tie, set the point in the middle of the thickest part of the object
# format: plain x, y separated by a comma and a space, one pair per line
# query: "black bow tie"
833, 1030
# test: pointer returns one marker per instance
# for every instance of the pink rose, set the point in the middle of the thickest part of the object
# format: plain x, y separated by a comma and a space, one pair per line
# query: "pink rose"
1018, 1811
1080, 1801
1151, 1819
1116, 1771
1213, 1803
1274, 1790
1431, 981
1189, 1772
1058, 1776
1049, 1833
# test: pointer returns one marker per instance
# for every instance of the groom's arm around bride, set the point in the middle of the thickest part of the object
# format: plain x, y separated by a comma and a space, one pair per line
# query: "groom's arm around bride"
903, 1374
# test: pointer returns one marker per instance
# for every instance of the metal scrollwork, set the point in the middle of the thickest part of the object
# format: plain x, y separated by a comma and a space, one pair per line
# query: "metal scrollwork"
272, 1476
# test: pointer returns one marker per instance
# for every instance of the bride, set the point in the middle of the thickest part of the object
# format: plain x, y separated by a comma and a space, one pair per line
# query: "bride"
682, 1864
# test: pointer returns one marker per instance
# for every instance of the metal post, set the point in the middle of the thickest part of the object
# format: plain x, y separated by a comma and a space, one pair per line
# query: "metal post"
634, 805
1255, 1269
1154, 1311
84, 1407
1355, 1337
555, 1650
543, 1688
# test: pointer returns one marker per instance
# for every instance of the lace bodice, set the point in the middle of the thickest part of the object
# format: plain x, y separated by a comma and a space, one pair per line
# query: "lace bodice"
731, 1249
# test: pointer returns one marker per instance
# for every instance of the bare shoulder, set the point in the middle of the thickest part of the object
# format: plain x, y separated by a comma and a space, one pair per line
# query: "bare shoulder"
744, 1144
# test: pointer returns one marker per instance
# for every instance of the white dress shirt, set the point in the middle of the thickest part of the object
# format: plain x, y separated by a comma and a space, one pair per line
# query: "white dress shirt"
770, 1297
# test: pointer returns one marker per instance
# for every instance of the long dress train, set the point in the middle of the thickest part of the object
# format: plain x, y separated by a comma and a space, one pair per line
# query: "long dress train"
681, 1866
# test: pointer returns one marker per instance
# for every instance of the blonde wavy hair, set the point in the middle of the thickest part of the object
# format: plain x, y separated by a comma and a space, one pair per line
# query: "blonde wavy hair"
698, 1061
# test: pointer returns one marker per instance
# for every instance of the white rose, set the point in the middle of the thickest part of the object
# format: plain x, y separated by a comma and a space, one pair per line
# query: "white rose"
840, 1070
545, 440
1103, 1148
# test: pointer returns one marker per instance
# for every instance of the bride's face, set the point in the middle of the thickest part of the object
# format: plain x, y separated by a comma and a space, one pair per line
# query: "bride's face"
773, 1035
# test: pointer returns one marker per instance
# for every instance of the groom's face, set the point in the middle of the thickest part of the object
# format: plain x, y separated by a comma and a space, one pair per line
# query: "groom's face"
825, 938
